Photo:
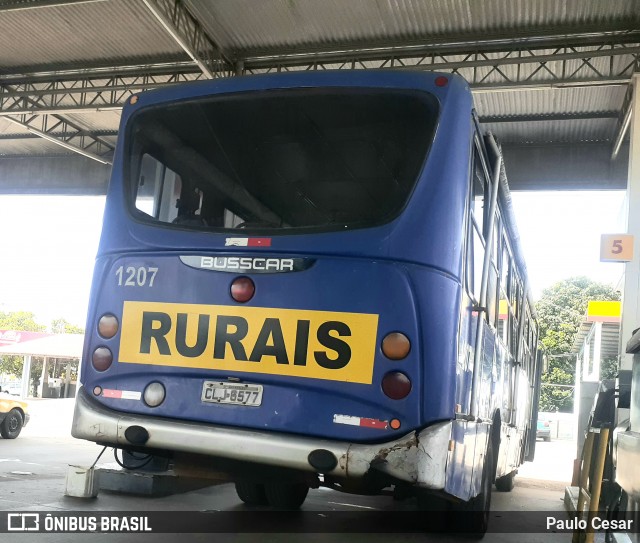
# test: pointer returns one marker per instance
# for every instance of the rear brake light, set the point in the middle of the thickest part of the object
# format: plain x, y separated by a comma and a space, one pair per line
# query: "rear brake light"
242, 289
396, 385
102, 359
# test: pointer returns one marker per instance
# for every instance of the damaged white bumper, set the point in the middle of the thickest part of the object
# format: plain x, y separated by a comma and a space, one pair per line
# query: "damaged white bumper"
418, 458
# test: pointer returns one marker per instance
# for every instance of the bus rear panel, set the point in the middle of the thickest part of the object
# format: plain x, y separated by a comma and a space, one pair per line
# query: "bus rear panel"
283, 283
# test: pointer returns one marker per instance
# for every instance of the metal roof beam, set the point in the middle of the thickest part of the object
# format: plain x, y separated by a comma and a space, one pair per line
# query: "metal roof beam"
624, 122
21, 5
563, 65
189, 34
76, 140
56, 134
101, 90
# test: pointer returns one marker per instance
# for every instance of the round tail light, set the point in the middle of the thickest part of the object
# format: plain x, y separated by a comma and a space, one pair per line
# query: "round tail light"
242, 289
396, 346
396, 385
108, 326
102, 359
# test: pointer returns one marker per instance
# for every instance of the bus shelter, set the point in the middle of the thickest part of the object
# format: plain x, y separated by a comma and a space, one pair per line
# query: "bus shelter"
59, 356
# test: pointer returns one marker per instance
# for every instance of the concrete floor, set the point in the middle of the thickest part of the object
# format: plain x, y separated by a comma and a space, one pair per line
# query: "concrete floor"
33, 470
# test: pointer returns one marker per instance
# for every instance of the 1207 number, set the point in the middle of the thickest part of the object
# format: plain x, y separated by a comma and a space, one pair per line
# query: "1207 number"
136, 277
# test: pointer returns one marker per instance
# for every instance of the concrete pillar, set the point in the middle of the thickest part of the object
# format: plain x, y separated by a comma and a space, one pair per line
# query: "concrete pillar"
67, 380
597, 346
631, 291
43, 377
26, 376
586, 357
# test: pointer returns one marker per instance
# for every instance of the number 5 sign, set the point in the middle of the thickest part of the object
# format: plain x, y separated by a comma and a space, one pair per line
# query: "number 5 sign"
616, 248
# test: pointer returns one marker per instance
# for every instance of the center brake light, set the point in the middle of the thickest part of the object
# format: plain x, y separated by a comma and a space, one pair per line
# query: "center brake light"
242, 289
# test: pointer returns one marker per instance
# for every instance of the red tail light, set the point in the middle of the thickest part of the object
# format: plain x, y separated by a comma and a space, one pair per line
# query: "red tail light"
102, 358
546, 424
396, 385
242, 289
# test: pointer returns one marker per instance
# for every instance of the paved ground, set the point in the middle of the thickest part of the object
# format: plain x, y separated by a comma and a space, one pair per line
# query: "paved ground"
33, 469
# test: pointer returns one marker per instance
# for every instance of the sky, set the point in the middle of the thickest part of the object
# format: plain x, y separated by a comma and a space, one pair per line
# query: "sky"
48, 246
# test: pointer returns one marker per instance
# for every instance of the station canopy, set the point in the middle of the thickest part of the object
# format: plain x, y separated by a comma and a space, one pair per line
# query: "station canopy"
551, 78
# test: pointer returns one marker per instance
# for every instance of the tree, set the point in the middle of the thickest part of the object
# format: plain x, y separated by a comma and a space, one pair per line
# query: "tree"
20, 320
560, 310
62, 326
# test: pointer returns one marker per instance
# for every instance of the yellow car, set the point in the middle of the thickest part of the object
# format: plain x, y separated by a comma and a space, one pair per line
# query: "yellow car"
13, 416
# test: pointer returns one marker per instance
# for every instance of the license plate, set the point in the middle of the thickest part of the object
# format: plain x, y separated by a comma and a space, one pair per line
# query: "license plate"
232, 393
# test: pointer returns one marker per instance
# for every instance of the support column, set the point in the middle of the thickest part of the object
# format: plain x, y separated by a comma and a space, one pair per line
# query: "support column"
631, 292
26, 376
67, 380
44, 377
597, 351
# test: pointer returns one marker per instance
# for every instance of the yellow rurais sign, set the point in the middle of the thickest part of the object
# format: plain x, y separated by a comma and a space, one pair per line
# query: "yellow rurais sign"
312, 344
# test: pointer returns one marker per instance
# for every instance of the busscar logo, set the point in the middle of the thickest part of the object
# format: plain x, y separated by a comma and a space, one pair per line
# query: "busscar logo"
23, 522
299, 343
235, 264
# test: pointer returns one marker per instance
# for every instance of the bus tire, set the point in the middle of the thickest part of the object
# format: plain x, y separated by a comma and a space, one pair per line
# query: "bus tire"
251, 493
11, 425
286, 495
506, 482
476, 511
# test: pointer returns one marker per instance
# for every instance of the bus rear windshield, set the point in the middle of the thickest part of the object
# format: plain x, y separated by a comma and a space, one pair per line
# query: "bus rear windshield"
296, 159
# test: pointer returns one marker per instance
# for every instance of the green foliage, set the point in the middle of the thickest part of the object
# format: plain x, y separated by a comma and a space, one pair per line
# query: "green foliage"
554, 396
11, 365
61, 326
560, 310
20, 320
23, 321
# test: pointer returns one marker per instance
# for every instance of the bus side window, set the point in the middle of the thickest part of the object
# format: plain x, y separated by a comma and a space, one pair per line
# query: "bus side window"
480, 190
476, 240
158, 190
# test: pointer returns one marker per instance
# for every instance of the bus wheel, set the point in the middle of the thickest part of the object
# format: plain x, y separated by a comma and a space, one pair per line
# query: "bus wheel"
286, 495
476, 510
11, 425
251, 493
506, 482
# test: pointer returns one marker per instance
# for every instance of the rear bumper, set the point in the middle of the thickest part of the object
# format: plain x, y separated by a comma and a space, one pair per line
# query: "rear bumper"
419, 457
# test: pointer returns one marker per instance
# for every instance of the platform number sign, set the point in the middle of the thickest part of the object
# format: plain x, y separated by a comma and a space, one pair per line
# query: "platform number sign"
616, 248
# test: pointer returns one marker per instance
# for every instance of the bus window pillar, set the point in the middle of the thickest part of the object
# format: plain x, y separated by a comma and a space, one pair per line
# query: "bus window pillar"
631, 291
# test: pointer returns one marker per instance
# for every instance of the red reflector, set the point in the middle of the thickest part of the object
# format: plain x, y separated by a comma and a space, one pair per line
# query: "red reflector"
441, 81
396, 385
242, 289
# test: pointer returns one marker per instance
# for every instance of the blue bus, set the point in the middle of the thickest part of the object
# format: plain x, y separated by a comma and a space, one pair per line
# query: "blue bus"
312, 279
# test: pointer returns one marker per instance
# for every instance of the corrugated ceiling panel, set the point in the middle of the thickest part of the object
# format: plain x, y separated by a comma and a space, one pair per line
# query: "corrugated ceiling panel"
550, 100
31, 146
555, 131
112, 32
7, 127
105, 120
249, 25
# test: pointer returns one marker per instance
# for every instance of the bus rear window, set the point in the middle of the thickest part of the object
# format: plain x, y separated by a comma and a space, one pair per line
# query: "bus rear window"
304, 158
